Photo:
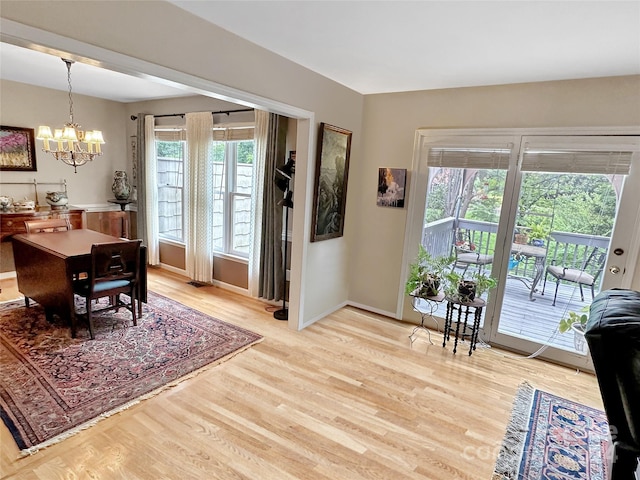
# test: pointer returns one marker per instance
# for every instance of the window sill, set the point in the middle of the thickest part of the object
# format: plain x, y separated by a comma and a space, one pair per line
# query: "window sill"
233, 258
175, 243
226, 256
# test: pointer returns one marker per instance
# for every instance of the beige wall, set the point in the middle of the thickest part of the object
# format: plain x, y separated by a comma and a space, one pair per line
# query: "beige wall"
28, 106
390, 122
146, 31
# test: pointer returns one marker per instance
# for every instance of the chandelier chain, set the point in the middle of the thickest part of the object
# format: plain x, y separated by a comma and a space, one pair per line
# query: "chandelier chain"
69, 62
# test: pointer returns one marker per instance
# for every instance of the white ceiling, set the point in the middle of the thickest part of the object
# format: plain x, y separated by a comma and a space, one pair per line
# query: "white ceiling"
35, 68
393, 46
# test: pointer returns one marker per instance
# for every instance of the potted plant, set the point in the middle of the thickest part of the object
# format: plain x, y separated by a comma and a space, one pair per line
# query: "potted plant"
467, 289
426, 274
576, 322
521, 236
538, 234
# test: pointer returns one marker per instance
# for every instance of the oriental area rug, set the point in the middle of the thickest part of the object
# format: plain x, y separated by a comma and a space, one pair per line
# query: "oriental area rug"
52, 385
552, 438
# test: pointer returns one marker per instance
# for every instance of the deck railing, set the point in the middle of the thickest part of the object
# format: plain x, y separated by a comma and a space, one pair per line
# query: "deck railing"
563, 248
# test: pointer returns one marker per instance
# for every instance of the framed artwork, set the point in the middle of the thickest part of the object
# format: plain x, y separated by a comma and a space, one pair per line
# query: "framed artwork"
330, 190
17, 149
391, 186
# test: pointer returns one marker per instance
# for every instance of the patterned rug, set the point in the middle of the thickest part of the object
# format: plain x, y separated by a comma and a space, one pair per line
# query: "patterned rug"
52, 386
552, 438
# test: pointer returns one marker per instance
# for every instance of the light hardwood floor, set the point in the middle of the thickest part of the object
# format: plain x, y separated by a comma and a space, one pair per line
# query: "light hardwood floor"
347, 398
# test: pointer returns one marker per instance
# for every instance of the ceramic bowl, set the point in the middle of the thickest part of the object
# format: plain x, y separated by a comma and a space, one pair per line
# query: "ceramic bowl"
25, 205
5, 201
57, 198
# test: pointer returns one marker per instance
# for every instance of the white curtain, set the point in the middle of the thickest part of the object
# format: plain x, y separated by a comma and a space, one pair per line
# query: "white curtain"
261, 134
199, 228
151, 186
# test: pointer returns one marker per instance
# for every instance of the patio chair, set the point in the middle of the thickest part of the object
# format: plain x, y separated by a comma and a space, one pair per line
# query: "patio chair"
115, 270
468, 253
594, 264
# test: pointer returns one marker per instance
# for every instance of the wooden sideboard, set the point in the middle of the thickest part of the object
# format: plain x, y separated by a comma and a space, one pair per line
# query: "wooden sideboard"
12, 221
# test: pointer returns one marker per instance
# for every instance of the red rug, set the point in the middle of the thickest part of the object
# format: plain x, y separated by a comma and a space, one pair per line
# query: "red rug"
52, 386
552, 438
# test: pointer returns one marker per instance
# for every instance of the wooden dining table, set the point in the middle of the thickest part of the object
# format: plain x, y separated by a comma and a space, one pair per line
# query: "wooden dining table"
47, 264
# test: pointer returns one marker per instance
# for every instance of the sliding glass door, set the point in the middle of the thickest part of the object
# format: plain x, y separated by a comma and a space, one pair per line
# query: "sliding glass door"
567, 213
543, 216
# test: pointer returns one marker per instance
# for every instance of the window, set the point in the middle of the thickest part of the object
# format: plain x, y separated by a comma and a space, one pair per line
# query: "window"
232, 157
171, 157
233, 186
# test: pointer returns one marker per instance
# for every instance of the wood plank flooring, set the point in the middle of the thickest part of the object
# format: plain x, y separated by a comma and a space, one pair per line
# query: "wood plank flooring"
347, 398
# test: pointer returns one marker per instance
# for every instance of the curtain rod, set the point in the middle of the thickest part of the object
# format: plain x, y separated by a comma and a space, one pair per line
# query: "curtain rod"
227, 112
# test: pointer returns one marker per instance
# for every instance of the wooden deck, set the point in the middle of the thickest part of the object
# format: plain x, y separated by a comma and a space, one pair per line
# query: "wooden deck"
537, 320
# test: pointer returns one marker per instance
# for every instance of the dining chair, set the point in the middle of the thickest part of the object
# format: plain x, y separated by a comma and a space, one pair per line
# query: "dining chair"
47, 226
587, 275
114, 270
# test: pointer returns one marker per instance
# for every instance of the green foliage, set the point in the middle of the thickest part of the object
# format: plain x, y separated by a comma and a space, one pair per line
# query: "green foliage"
435, 209
574, 317
425, 266
576, 203
169, 149
245, 151
483, 283
538, 232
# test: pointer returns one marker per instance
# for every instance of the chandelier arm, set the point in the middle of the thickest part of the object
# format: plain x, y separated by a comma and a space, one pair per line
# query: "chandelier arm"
69, 140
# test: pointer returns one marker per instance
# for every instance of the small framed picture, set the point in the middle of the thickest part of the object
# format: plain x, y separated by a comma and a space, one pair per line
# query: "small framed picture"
391, 187
17, 149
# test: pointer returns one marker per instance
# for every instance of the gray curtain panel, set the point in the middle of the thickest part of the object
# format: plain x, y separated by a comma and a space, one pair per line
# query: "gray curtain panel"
271, 268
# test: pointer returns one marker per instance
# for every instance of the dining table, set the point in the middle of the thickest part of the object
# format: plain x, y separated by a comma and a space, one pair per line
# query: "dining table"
47, 264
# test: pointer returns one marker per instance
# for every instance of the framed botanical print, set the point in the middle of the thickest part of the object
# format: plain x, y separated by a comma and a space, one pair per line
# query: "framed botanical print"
330, 190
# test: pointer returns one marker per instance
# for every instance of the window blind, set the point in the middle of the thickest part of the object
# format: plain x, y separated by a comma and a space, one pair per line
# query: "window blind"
220, 133
470, 157
229, 134
574, 160
171, 134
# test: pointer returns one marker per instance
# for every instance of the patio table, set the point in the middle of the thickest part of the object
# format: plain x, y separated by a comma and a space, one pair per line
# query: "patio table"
539, 254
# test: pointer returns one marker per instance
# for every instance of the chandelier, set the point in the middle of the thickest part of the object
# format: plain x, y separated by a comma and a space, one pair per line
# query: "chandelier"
68, 141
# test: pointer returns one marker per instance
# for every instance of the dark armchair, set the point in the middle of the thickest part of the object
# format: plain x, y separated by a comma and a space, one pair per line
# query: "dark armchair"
613, 336
115, 268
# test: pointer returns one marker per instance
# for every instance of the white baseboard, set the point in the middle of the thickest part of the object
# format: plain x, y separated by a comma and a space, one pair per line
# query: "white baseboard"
217, 283
5, 275
323, 314
372, 309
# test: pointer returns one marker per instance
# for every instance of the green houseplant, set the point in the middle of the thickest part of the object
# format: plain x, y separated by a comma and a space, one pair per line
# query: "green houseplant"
574, 318
467, 289
426, 273
576, 322
538, 233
